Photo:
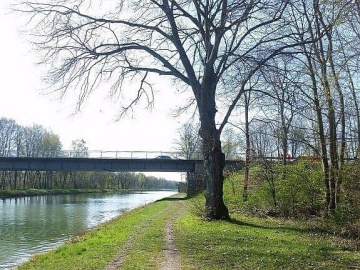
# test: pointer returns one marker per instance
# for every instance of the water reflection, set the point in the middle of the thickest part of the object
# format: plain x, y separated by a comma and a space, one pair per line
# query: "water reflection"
32, 225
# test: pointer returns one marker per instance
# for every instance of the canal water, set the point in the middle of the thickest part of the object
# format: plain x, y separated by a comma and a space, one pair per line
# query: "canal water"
33, 225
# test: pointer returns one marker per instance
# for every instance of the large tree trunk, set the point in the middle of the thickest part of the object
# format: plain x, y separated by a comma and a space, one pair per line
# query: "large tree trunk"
214, 163
214, 158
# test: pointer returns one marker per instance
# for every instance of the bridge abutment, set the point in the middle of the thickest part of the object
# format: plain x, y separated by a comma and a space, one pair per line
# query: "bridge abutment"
196, 180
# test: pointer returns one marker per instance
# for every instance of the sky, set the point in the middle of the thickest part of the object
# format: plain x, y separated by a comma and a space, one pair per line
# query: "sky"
22, 99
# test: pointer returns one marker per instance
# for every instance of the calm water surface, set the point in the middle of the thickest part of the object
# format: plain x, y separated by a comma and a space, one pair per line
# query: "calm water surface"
33, 225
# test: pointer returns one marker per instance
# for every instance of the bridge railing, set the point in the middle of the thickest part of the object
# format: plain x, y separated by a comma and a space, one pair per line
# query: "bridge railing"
104, 154
127, 154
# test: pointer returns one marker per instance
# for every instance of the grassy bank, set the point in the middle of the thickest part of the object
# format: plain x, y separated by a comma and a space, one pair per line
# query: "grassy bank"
254, 243
245, 243
36, 192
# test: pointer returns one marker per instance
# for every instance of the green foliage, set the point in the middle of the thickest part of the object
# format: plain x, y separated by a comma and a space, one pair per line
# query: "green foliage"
350, 192
299, 193
197, 206
259, 199
347, 213
300, 189
274, 189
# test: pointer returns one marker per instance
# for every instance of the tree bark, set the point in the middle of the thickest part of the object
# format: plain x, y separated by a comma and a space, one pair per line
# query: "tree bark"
214, 163
323, 55
248, 146
214, 158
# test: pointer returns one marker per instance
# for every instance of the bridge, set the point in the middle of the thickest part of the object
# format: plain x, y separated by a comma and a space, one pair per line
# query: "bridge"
104, 164
133, 161
97, 164
152, 163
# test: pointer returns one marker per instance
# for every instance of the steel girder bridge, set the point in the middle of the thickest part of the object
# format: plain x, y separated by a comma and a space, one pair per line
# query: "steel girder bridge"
96, 164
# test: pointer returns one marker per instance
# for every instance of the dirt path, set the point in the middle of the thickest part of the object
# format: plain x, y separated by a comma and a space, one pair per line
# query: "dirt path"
171, 254
171, 257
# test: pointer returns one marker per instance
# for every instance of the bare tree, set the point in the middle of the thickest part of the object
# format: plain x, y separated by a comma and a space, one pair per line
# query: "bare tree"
79, 148
195, 42
230, 141
281, 107
33, 140
326, 95
8, 129
188, 143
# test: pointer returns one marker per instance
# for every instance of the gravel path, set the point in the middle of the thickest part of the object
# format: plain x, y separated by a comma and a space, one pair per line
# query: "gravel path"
171, 258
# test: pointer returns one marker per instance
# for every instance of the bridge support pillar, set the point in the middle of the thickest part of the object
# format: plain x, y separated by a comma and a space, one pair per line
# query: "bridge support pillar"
196, 181
191, 184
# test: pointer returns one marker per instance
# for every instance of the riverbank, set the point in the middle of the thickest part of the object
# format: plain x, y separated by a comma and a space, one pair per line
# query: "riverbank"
169, 235
16, 193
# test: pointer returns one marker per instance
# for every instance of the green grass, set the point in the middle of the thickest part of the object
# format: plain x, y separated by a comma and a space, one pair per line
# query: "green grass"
253, 243
244, 243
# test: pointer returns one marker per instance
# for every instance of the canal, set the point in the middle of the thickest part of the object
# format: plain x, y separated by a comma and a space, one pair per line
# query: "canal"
33, 225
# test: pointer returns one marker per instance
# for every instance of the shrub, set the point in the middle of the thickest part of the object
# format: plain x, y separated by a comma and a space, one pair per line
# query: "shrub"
300, 189
294, 190
347, 213
197, 206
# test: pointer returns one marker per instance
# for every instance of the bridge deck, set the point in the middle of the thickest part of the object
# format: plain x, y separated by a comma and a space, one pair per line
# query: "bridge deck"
95, 164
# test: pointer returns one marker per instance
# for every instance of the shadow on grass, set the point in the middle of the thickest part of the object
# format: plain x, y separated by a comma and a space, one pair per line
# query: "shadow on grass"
173, 199
280, 227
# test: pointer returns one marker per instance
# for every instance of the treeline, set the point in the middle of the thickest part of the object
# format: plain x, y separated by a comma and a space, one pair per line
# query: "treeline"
36, 141
82, 180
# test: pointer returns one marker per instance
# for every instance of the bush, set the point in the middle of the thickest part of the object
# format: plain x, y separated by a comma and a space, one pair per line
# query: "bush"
294, 190
300, 189
348, 209
197, 206
259, 199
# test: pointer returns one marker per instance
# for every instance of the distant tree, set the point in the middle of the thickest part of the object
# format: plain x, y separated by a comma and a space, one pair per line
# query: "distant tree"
188, 144
142, 180
8, 129
263, 139
79, 148
52, 146
33, 140
230, 141
281, 107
